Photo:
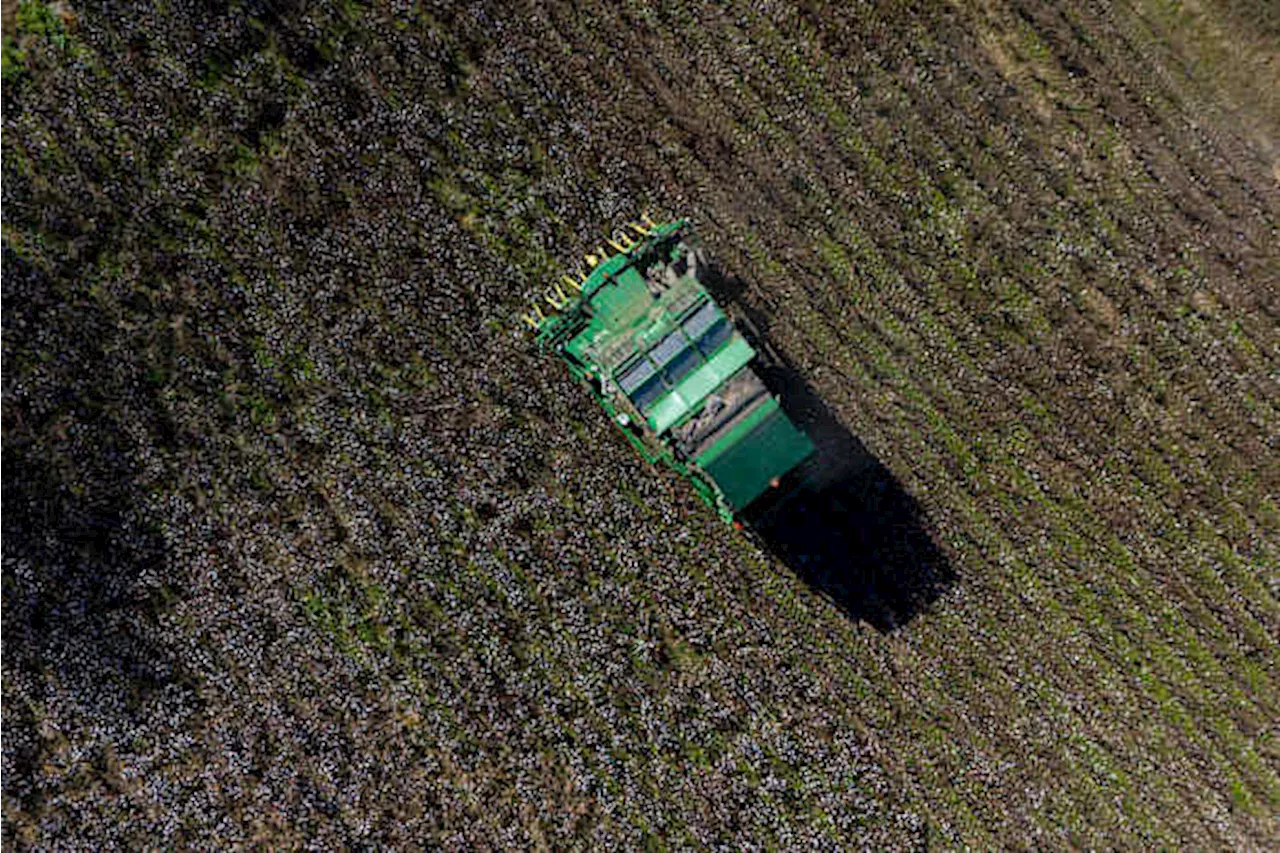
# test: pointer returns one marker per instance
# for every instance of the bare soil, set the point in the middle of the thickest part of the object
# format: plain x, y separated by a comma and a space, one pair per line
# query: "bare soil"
8, 15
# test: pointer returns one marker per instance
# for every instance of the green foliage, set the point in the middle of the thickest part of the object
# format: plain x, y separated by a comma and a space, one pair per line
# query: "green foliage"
38, 19
351, 611
34, 22
12, 58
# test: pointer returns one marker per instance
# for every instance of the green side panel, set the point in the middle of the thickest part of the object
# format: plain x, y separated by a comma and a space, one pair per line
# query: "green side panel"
743, 466
618, 304
623, 300
695, 387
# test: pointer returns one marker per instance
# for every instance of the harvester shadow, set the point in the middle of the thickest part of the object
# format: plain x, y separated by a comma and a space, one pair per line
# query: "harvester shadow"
846, 526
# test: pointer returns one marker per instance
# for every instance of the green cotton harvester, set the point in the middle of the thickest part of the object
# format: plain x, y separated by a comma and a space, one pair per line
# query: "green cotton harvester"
669, 367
